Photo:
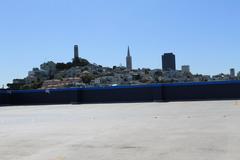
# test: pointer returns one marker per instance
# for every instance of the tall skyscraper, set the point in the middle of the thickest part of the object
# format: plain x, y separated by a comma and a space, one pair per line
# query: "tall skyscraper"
129, 60
168, 62
76, 55
232, 72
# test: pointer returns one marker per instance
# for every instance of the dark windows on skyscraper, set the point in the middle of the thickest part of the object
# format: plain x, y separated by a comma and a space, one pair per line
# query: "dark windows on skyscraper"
168, 62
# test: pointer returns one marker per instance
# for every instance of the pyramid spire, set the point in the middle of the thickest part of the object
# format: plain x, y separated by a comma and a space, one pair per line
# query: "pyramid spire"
129, 60
128, 51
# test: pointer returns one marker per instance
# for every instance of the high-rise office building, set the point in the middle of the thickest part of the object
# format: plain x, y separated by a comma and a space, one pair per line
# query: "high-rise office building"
168, 62
129, 60
232, 72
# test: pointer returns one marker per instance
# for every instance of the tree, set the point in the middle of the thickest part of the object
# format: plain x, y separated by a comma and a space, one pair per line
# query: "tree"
87, 78
80, 62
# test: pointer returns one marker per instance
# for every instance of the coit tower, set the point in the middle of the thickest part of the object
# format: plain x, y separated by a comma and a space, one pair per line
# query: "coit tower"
76, 55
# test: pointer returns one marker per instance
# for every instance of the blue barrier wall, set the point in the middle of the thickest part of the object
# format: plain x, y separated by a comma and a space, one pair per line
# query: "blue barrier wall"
88, 95
202, 91
141, 93
4, 97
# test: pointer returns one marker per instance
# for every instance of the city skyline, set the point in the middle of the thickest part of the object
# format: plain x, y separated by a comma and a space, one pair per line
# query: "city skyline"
81, 73
129, 61
203, 34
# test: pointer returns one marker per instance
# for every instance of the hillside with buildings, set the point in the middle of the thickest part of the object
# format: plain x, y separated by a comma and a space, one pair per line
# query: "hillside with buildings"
81, 73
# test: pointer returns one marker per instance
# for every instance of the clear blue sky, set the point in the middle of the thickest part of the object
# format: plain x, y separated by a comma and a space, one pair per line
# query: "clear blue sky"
202, 33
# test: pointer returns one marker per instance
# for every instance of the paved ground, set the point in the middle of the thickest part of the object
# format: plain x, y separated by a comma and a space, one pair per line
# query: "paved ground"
144, 131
